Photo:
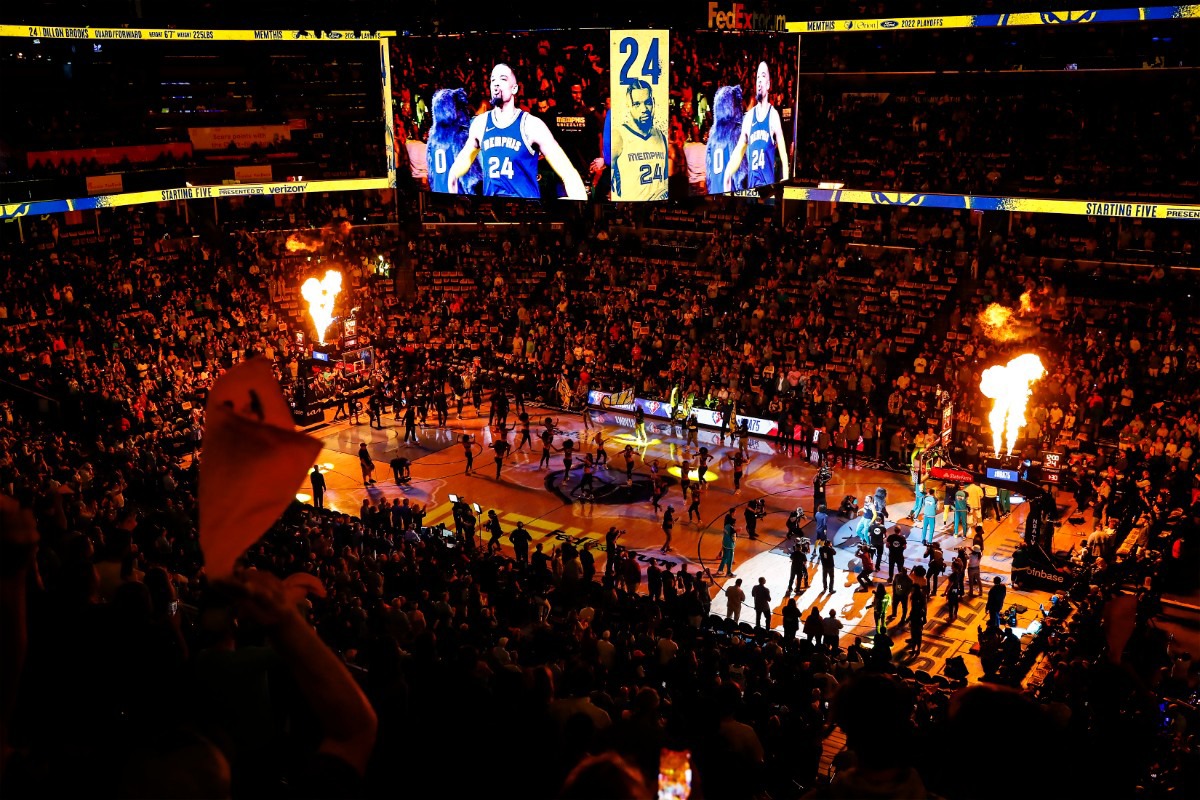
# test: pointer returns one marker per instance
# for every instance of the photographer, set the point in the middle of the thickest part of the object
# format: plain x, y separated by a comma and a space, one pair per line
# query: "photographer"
868, 568
795, 523
755, 510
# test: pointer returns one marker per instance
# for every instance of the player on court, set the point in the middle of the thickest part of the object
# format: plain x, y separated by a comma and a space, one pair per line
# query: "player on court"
507, 141
639, 150
762, 138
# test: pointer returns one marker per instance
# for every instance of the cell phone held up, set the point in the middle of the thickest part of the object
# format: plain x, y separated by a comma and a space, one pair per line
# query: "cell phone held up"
674, 774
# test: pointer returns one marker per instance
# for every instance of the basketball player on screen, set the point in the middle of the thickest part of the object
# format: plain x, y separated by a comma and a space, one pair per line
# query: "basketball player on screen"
639, 150
762, 138
507, 141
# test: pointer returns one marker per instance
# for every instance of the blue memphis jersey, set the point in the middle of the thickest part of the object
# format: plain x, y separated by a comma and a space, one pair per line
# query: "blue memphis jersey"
439, 158
716, 159
509, 164
640, 167
761, 150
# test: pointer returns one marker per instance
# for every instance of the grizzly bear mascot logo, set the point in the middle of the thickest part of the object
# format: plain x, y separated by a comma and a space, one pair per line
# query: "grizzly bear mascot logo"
447, 137
723, 138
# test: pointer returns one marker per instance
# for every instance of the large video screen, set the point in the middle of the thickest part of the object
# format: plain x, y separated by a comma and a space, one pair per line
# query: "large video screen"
187, 114
734, 108
503, 115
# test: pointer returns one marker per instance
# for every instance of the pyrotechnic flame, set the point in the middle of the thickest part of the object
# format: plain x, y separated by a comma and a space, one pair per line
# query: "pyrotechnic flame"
296, 244
1026, 303
995, 316
320, 295
1008, 385
996, 321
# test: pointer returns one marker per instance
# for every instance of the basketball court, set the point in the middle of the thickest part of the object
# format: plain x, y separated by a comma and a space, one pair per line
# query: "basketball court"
555, 510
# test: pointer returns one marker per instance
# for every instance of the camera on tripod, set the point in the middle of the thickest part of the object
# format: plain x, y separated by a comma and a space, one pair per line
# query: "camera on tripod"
824, 474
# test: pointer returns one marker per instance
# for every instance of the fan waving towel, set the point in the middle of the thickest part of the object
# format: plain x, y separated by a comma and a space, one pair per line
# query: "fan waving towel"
253, 462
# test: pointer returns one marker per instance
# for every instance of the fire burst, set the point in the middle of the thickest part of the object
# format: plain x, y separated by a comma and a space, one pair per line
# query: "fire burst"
320, 295
1009, 385
296, 244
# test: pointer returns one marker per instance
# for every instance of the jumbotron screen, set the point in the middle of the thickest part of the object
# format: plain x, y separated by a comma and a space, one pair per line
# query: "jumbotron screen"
503, 115
98, 118
733, 98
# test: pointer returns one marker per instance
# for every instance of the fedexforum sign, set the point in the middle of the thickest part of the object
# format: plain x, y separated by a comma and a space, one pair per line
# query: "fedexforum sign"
738, 18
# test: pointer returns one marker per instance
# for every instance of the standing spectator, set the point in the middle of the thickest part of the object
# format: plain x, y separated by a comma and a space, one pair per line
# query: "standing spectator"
973, 580
367, 465
751, 515
833, 628
668, 523
654, 581
318, 487
995, 600
734, 597
879, 607
953, 596
916, 625
762, 603
852, 432
937, 565
896, 542
494, 531
958, 570
819, 483
410, 424
826, 554
799, 565
902, 586
814, 629
791, 621
520, 539
876, 541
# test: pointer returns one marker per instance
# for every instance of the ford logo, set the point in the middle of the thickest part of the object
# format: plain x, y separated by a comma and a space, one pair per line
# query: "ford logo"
889, 23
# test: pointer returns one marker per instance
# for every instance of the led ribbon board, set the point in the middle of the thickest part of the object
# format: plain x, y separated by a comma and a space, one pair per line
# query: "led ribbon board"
1081, 208
1085, 17
38, 207
188, 34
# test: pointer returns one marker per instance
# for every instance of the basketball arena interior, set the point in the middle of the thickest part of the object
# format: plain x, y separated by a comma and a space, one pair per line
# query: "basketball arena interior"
711, 400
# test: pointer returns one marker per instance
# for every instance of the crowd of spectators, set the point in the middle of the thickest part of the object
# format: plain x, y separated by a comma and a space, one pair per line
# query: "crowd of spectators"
1007, 134
538, 673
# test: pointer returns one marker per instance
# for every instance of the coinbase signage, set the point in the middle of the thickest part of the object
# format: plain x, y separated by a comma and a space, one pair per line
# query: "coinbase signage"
705, 417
